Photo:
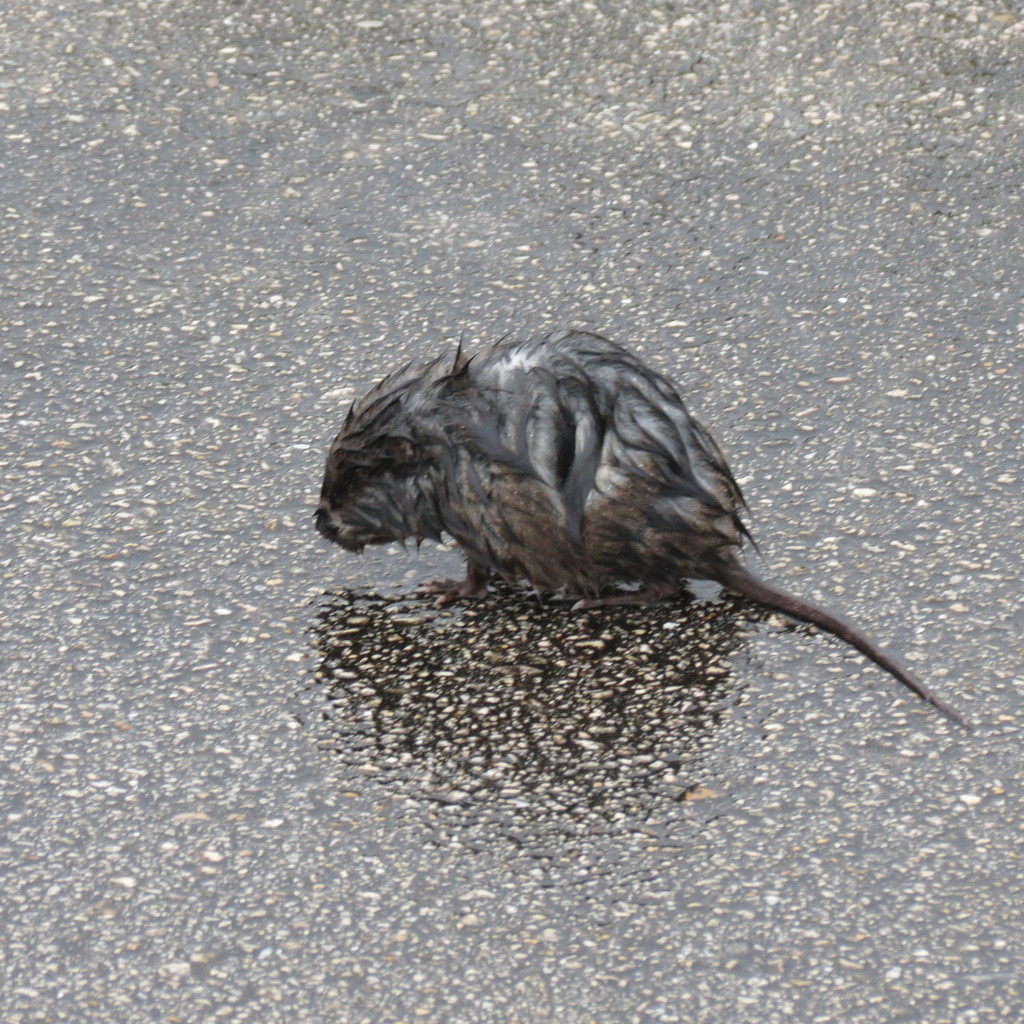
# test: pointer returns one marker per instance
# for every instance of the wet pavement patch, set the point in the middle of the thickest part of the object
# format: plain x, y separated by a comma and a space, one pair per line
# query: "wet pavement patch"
519, 719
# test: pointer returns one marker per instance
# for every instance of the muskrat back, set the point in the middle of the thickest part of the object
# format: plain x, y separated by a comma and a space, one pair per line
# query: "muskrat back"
563, 460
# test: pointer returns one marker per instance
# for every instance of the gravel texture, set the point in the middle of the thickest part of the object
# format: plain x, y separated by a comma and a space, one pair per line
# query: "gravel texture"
245, 778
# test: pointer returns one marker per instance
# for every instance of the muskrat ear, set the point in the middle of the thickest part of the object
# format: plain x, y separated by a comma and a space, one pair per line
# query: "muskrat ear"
401, 450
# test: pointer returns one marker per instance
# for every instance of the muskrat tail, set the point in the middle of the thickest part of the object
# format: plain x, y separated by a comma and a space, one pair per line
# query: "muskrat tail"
746, 585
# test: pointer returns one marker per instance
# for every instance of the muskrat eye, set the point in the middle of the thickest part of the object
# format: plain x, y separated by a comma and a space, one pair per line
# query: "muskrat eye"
344, 471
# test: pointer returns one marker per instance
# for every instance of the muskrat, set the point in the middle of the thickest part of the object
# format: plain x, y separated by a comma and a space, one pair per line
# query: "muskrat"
563, 460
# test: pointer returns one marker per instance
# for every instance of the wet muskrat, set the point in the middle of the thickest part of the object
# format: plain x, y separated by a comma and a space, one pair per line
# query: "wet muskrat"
562, 460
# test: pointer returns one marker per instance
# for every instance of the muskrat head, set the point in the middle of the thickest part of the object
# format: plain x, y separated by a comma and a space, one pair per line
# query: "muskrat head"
385, 467
368, 494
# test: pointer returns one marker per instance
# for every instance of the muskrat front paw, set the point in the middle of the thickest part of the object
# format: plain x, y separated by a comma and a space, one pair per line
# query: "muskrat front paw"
448, 591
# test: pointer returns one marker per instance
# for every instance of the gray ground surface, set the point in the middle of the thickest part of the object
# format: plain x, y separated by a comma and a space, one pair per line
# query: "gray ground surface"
227, 796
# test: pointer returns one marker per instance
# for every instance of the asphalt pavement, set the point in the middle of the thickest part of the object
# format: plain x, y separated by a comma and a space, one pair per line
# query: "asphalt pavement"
247, 778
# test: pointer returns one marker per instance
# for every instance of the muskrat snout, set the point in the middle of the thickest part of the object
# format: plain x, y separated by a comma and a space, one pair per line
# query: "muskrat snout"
343, 535
322, 518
